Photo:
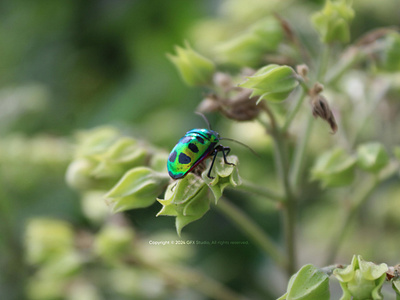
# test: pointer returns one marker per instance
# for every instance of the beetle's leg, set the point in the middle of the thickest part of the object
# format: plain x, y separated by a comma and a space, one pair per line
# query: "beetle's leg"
227, 149
212, 163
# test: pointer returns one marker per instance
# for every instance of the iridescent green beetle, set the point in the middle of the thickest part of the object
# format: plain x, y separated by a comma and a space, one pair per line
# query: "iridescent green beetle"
195, 146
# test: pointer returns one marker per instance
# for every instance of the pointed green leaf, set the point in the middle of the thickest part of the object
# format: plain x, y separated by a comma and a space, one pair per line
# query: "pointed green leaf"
309, 283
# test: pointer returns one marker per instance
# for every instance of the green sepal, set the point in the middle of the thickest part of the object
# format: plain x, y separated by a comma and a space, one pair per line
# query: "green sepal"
309, 283
372, 157
138, 188
94, 141
194, 68
157, 161
334, 168
224, 175
361, 279
396, 287
187, 199
193, 210
332, 22
122, 155
272, 83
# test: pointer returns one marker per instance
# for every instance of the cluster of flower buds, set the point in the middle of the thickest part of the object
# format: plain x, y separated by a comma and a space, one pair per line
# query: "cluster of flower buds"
128, 173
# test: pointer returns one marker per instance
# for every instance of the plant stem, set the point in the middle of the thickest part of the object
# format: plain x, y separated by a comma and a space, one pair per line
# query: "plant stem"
252, 230
260, 190
299, 101
289, 202
299, 155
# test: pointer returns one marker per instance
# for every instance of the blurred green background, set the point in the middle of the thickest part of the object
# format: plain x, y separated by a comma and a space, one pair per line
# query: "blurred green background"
71, 65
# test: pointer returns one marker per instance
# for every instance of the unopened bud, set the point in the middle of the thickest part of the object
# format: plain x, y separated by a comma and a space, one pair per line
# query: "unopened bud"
332, 22
302, 70
194, 68
272, 82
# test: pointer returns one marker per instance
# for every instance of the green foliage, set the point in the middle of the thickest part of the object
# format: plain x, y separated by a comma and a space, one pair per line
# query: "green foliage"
225, 176
308, 283
334, 168
272, 83
372, 157
64, 69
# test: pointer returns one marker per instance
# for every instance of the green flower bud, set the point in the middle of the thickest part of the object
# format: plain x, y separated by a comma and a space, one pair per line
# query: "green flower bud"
194, 68
79, 174
47, 240
391, 53
102, 157
272, 83
187, 199
113, 242
249, 48
361, 280
95, 141
309, 283
372, 157
138, 188
94, 207
224, 175
332, 22
121, 156
334, 168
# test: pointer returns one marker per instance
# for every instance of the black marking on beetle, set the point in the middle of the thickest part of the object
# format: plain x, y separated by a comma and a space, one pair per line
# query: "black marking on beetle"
184, 159
200, 139
193, 147
172, 156
175, 176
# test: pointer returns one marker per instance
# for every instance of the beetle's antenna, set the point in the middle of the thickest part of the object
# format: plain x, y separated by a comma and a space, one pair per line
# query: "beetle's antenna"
244, 145
205, 119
